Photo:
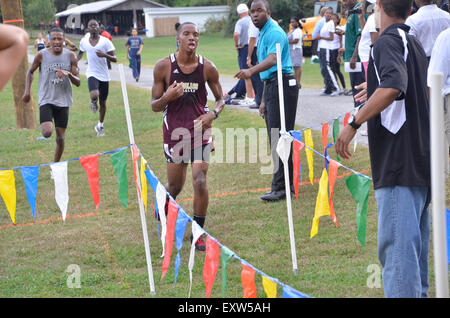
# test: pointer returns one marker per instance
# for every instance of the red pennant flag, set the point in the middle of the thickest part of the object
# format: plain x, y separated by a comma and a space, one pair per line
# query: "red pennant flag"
248, 282
172, 215
90, 164
211, 264
135, 154
325, 135
332, 174
346, 117
298, 145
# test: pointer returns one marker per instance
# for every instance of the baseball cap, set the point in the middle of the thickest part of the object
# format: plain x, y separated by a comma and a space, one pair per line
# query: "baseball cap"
242, 8
372, 1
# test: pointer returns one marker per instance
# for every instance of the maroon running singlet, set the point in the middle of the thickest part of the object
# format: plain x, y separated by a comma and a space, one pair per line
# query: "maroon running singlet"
179, 115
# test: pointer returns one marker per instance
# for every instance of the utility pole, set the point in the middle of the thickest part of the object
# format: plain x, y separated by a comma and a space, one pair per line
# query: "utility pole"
25, 115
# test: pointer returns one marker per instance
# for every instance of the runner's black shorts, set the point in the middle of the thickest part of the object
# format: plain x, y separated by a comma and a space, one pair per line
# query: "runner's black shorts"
49, 112
102, 87
198, 154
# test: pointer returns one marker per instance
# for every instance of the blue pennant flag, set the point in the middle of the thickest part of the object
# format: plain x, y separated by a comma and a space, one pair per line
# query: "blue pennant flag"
30, 178
289, 292
180, 228
296, 134
326, 155
154, 184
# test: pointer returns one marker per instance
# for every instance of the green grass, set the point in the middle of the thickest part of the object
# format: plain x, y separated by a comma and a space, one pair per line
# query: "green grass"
216, 48
108, 245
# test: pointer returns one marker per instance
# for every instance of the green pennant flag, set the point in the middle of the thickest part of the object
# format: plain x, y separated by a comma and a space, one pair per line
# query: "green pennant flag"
359, 187
335, 134
119, 161
225, 255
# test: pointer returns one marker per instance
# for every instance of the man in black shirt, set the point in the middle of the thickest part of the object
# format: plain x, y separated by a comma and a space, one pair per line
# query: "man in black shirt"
397, 112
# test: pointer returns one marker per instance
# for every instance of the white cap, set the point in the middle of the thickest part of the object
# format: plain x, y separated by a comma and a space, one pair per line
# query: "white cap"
372, 1
242, 8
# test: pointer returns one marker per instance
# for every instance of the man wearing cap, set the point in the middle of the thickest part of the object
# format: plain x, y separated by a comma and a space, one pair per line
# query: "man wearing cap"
271, 34
241, 42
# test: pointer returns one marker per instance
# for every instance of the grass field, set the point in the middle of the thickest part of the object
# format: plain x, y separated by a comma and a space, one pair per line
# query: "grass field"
108, 246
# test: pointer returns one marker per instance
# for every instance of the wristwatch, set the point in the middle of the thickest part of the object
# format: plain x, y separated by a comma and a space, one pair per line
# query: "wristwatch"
216, 113
351, 122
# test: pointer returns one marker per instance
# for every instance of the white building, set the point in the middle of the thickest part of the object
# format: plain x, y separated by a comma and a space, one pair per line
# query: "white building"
161, 21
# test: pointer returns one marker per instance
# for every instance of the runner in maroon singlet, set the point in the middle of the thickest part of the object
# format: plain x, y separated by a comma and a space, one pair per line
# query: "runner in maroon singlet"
179, 91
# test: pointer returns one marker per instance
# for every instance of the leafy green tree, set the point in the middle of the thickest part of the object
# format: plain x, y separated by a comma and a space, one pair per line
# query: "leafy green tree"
37, 11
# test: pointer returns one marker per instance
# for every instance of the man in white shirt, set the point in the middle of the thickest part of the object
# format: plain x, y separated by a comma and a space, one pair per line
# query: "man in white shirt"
326, 42
427, 24
252, 60
440, 62
98, 50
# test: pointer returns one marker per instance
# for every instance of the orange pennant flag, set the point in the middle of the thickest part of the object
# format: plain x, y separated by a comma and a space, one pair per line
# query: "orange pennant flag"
332, 174
346, 117
211, 264
90, 165
135, 154
298, 145
325, 128
248, 281
171, 222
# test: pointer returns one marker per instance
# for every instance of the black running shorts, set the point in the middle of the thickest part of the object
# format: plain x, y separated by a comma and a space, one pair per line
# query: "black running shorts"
102, 87
48, 112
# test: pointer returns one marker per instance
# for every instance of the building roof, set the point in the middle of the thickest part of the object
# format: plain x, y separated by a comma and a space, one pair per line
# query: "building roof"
98, 6
184, 10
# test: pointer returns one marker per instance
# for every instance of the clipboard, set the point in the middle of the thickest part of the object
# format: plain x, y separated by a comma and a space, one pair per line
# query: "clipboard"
347, 68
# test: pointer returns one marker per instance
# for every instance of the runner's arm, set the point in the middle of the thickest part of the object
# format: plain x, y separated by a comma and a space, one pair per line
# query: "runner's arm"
212, 78
29, 79
13, 46
74, 74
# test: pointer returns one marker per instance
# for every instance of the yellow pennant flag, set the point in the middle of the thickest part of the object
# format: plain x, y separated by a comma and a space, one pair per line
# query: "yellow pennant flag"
144, 183
309, 154
8, 192
322, 203
270, 287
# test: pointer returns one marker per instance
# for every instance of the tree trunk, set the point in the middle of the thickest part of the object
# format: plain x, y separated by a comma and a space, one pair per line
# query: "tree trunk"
25, 115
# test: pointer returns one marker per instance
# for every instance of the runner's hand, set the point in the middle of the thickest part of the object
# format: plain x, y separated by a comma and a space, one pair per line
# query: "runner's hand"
100, 53
204, 121
361, 97
174, 91
26, 97
62, 73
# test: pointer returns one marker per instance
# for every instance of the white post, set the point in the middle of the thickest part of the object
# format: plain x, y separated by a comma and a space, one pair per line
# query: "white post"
141, 203
438, 155
285, 164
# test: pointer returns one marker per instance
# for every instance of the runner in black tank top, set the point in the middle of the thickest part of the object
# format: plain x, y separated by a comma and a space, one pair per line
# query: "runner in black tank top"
179, 91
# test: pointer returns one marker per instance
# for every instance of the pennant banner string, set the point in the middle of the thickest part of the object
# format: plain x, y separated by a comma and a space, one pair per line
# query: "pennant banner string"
329, 158
52, 163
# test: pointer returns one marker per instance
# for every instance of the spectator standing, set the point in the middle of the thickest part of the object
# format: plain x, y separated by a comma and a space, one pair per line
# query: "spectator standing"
440, 62
269, 35
427, 24
369, 35
336, 52
397, 115
241, 42
252, 60
316, 32
352, 38
134, 48
295, 38
328, 45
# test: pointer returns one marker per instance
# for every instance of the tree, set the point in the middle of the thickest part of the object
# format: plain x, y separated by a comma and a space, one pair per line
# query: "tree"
38, 11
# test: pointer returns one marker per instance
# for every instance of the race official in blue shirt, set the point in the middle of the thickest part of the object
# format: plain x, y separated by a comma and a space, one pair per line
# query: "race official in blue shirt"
271, 34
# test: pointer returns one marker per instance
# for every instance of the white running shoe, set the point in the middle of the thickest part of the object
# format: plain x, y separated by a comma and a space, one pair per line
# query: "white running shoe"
247, 102
99, 130
336, 93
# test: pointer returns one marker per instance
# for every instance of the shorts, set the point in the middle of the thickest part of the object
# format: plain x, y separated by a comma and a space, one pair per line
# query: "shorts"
242, 57
102, 87
198, 154
49, 112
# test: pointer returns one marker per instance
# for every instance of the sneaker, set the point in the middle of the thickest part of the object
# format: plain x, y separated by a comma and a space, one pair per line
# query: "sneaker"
200, 245
325, 94
94, 106
336, 93
247, 102
99, 130
347, 92
226, 97
137, 79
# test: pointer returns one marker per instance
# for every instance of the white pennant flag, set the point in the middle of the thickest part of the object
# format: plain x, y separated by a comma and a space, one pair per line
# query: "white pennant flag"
284, 147
161, 201
197, 231
59, 173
